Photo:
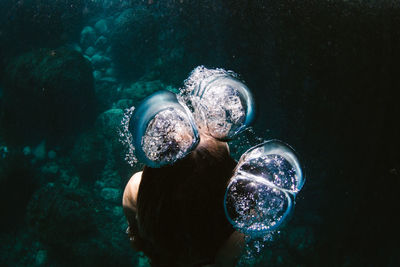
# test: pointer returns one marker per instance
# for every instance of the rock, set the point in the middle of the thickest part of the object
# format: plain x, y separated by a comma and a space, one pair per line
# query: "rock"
109, 122
51, 154
50, 168
18, 181
74, 182
134, 39
97, 75
90, 51
108, 79
3, 151
124, 18
41, 257
40, 151
89, 154
49, 92
88, 37
139, 90
101, 43
110, 72
108, 50
124, 104
101, 27
111, 194
61, 216
99, 61
107, 93
26, 150
143, 261
75, 47
118, 211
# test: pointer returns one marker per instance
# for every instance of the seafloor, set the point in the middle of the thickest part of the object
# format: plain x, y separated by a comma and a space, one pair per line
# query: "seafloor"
324, 74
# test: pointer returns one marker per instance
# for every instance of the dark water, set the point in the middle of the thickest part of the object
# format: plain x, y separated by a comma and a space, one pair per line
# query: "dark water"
325, 76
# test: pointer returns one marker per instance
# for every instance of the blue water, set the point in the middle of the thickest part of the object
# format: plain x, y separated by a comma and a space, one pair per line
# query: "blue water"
324, 75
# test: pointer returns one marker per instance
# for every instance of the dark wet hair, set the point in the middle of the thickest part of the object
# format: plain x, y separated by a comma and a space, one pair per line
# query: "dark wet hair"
180, 208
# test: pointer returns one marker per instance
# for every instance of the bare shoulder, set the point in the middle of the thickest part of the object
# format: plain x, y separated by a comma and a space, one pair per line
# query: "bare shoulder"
129, 199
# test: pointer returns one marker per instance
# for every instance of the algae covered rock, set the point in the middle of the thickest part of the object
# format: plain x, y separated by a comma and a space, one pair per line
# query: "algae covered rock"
109, 122
18, 181
88, 36
89, 154
137, 91
61, 216
49, 92
134, 42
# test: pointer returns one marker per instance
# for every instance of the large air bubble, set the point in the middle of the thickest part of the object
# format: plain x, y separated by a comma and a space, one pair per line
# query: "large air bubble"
261, 193
275, 162
222, 105
254, 207
162, 129
168, 137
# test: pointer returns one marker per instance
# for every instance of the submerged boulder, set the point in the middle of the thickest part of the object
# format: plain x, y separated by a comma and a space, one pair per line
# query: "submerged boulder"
54, 209
134, 42
48, 94
88, 36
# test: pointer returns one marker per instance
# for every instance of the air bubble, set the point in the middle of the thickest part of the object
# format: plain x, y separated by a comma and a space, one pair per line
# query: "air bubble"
162, 130
275, 162
261, 193
254, 207
222, 105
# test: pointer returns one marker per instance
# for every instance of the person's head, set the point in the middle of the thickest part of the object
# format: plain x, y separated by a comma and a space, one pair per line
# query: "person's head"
180, 211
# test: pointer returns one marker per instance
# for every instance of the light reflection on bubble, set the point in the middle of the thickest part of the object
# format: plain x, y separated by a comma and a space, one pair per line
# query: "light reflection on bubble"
125, 137
261, 193
276, 162
169, 136
254, 207
221, 104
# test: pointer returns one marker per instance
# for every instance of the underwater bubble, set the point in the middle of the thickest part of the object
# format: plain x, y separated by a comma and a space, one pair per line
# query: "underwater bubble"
221, 104
169, 135
162, 129
276, 162
125, 137
254, 207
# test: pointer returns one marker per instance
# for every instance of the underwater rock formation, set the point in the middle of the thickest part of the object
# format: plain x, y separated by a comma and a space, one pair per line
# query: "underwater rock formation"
54, 209
18, 181
89, 155
49, 92
88, 36
134, 42
137, 91
73, 225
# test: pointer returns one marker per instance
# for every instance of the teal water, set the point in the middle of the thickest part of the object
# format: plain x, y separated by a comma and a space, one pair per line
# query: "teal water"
324, 75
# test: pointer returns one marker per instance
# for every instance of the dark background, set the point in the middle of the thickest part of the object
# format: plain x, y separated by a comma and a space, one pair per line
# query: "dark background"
325, 75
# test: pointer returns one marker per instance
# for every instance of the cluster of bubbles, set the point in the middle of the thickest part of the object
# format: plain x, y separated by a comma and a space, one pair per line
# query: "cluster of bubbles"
162, 130
261, 193
253, 248
221, 104
169, 135
164, 127
125, 137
